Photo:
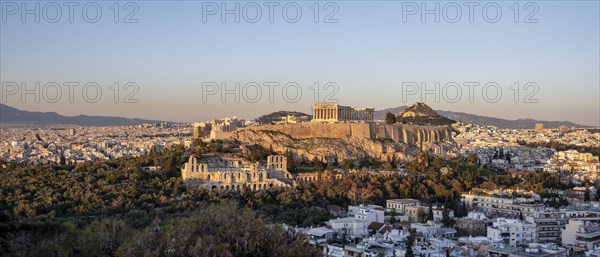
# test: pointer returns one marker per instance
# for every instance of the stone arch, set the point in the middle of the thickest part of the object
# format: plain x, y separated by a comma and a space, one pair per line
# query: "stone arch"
253, 187
226, 188
213, 188
222, 187
238, 187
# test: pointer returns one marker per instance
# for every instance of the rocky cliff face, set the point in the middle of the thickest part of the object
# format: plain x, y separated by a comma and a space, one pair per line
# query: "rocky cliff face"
350, 149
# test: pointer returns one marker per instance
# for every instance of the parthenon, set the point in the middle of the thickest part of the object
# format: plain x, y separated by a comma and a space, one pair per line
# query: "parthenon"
324, 112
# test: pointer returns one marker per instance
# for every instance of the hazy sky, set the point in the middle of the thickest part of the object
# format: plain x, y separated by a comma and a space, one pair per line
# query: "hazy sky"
370, 53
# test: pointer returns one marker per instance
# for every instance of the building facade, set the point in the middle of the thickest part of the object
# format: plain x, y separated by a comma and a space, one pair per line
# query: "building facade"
502, 207
399, 205
349, 227
549, 224
512, 232
325, 112
217, 129
581, 234
236, 174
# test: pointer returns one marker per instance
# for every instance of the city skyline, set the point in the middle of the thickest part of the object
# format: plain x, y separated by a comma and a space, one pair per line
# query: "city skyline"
300, 128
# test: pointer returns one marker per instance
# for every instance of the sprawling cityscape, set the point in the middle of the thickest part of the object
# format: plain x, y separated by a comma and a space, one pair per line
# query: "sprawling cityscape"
449, 189
354, 128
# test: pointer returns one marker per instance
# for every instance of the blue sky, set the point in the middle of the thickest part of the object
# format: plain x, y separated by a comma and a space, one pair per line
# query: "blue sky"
369, 53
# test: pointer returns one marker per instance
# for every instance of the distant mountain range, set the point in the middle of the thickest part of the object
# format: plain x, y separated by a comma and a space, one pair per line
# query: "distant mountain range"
10, 115
486, 121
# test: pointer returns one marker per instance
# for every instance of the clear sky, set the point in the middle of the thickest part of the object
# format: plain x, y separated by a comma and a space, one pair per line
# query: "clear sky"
370, 53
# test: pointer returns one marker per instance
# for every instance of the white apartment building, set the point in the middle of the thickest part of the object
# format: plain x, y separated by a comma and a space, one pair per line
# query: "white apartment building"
512, 232
350, 227
502, 207
369, 213
429, 229
438, 213
582, 234
549, 224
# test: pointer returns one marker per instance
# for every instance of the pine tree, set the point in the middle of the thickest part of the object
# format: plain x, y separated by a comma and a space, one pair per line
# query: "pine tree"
390, 118
62, 160
586, 195
430, 214
446, 220
389, 164
318, 164
521, 215
291, 162
410, 242
329, 168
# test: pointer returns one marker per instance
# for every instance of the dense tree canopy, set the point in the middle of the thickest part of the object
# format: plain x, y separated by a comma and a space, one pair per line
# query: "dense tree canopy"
132, 212
216, 230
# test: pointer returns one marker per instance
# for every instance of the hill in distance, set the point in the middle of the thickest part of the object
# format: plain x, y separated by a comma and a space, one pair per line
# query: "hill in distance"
485, 120
421, 114
277, 116
10, 115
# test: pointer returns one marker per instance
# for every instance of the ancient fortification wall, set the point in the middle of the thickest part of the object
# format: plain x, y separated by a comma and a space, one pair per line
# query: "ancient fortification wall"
409, 134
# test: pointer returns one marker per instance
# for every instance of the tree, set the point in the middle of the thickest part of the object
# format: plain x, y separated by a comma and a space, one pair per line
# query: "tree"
318, 165
62, 160
393, 215
410, 242
521, 215
463, 211
291, 162
472, 158
390, 118
489, 185
329, 169
389, 165
430, 214
586, 195
447, 221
